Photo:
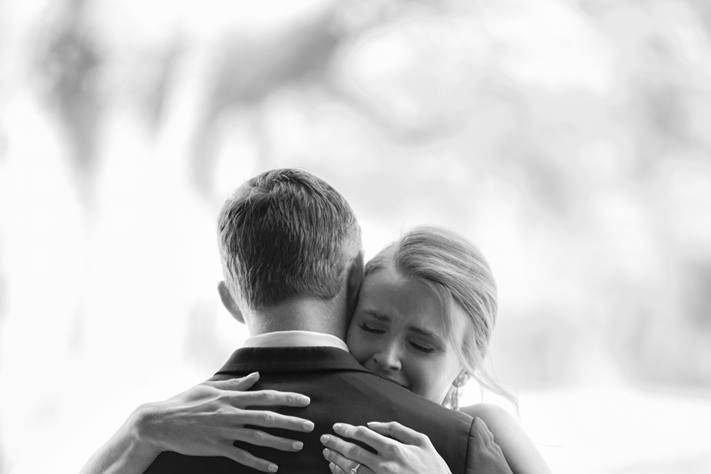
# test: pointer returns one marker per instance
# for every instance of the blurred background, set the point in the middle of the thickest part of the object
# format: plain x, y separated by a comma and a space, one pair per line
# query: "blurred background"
568, 139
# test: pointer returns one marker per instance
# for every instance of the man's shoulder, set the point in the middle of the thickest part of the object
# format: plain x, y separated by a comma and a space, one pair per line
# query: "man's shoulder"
340, 391
389, 391
369, 397
334, 378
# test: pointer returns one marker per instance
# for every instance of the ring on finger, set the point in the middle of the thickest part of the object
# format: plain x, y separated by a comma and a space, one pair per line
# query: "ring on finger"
354, 469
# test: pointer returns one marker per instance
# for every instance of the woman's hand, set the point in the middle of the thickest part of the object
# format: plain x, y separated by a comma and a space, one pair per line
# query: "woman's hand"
206, 420
399, 450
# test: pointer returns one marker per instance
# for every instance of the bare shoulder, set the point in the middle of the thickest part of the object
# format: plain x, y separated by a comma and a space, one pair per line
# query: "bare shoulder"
490, 414
519, 451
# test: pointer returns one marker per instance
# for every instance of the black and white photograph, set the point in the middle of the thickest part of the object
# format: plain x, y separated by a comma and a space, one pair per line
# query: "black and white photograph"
355, 237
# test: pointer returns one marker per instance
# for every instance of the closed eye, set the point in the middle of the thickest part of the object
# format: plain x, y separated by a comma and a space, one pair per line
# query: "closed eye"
421, 348
366, 327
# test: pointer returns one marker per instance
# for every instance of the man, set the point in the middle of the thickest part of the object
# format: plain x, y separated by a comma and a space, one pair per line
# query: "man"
291, 255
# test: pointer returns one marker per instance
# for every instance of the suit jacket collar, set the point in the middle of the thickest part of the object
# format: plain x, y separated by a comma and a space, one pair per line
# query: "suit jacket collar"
290, 359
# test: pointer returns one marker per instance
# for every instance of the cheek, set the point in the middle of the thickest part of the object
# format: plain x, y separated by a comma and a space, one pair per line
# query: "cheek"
432, 378
425, 375
359, 346
419, 375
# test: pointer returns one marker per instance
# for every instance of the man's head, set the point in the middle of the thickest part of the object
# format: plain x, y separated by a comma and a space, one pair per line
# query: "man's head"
286, 234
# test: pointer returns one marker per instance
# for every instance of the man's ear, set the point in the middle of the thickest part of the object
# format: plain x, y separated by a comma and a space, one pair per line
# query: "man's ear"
229, 302
355, 279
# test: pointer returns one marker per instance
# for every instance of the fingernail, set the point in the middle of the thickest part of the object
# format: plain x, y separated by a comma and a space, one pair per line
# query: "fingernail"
339, 427
308, 425
273, 468
297, 445
303, 400
325, 438
326, 452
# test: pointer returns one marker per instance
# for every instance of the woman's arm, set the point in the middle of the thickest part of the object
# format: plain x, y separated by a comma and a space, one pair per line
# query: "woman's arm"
401, 449
202, 421
126, 452
519, 451
397, 449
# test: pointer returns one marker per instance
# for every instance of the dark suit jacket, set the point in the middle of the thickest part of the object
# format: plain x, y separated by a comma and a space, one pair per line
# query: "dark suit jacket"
340, 390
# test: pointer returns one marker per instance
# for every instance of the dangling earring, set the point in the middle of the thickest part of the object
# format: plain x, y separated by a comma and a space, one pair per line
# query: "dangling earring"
455, 391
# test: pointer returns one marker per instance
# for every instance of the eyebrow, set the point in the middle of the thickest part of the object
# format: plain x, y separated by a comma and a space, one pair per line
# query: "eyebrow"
377, 315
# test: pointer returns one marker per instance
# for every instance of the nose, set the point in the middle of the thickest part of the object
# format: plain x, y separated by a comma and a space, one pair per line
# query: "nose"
388, 358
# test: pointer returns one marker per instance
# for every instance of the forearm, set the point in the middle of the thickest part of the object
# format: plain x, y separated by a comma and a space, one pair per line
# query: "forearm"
127, 452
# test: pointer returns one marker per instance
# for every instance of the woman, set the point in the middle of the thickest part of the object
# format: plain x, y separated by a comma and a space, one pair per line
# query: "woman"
424, 319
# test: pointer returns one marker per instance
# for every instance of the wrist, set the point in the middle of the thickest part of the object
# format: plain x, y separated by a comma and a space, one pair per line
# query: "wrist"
141, 429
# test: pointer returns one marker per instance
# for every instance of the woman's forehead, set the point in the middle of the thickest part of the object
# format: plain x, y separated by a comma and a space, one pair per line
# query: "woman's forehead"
388, 285
387, 295
386, 292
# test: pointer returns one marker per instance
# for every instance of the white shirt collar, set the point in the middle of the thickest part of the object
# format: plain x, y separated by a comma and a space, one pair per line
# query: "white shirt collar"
295, 339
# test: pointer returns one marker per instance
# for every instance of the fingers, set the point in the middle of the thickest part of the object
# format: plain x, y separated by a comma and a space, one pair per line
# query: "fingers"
341, 465
246, 459
241, 383
336, 469
258, 397
260, 438
271, 398
365, 435
270, 419
399, 432
348, 450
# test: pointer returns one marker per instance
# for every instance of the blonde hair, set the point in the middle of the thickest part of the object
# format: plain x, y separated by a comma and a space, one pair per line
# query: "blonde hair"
457, 273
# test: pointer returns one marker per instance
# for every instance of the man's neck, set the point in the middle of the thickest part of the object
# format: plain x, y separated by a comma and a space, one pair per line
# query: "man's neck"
303, 314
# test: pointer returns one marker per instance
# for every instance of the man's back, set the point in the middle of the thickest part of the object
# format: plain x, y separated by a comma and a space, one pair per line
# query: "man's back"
341, 391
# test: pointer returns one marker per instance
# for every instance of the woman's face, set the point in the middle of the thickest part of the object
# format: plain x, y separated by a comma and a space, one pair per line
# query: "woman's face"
397, 332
